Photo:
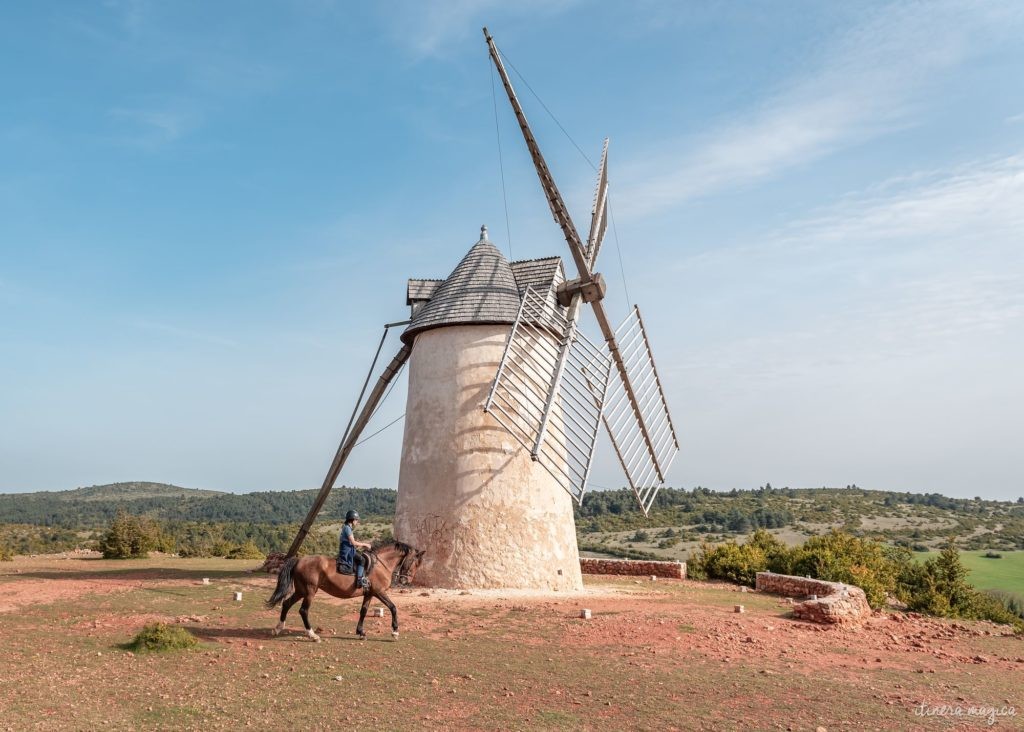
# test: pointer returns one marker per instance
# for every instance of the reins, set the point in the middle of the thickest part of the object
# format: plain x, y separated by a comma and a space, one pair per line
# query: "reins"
397, 566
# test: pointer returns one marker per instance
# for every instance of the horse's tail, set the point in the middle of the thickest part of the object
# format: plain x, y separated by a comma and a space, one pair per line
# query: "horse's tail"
284, 582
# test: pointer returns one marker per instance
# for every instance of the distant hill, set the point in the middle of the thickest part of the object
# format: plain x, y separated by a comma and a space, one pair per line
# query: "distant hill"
132, 491
608, 521
95, 506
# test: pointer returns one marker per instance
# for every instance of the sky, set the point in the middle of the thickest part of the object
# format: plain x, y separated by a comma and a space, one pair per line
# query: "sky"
208, 211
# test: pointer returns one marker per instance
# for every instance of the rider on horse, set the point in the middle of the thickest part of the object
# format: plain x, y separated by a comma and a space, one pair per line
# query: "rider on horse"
347, 550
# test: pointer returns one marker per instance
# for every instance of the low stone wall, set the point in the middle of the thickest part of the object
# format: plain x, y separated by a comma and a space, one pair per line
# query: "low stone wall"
835, 603
633, 567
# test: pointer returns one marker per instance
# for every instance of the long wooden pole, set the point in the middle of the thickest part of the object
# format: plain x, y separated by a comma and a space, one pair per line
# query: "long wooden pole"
348, 443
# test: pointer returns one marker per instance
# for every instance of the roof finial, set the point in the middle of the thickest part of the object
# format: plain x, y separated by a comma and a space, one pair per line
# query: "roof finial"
483, 233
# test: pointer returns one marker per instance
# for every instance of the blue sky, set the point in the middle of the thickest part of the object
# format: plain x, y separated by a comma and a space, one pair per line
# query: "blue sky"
207, 211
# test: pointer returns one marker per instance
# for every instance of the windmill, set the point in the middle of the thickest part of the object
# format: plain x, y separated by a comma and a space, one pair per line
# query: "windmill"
505, 401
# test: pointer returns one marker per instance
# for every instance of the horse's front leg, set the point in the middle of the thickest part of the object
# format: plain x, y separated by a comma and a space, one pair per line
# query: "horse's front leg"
362, 616
394, 612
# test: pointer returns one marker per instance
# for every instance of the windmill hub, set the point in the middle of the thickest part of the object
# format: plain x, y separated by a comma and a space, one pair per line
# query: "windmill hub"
590, 289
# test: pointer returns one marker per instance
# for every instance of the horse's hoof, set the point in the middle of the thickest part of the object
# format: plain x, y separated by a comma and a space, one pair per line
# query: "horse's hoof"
313, 636
394, 634
275, 631
362, 636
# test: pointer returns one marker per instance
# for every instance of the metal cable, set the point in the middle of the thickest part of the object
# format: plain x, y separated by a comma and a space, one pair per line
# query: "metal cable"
366, 439
618, 249
362, 392
501, 160
550, 113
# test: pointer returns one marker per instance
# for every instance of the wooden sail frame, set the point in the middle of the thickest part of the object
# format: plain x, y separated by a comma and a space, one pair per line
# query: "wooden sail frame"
646, 443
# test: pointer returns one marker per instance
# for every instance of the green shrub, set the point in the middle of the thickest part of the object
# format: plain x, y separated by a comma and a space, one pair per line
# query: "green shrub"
641, 535
221, 548
129, 537
6, 555
1012, 601
741, 562
840, 557
383, 537
940, 587
159, 637
248, 550
993, 555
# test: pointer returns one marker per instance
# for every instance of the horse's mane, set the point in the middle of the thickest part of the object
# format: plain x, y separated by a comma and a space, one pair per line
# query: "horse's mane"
399, 545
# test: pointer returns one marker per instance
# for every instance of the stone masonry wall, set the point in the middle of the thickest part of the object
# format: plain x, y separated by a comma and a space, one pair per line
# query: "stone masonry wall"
836, 602
633, 567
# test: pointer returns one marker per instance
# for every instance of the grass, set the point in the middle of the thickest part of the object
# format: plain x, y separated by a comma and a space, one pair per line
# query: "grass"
161, 637
1006, 573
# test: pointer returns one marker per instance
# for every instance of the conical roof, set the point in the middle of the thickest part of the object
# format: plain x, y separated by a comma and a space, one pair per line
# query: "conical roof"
481, 289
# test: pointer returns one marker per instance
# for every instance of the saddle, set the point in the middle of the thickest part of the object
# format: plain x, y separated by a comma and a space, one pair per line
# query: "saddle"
367, 559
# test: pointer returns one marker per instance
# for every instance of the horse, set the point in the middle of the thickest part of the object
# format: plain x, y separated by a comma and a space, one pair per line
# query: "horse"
315, 572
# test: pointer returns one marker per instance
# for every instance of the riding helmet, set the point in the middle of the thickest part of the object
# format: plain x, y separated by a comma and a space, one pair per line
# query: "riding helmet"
351, 516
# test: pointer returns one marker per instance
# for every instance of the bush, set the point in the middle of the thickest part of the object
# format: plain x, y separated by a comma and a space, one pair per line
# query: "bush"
159, 637
248, 550
840, 557
129, 537
641, 535
1012, 601
741, 562
993, 555
939, 587
6, 555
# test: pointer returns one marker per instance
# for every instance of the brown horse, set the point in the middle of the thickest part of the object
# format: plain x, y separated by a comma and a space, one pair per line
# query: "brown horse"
316, 572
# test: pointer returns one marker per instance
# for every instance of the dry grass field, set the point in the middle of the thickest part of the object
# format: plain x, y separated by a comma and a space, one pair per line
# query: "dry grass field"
664, 655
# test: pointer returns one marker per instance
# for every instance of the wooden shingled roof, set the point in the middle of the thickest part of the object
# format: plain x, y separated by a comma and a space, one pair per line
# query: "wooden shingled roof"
483, 288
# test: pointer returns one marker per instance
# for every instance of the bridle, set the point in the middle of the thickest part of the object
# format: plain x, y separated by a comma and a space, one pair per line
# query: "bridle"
401, 567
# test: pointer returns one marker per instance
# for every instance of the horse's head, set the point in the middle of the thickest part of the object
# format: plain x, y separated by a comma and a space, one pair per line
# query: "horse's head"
410, 563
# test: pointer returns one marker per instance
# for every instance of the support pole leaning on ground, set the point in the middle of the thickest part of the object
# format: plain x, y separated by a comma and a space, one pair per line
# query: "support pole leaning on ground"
349, 442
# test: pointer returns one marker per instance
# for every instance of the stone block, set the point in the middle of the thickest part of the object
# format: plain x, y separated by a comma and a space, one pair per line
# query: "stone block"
831, 602
633, 568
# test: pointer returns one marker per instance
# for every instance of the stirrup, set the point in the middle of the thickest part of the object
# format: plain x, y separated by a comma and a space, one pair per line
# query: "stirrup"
364, 583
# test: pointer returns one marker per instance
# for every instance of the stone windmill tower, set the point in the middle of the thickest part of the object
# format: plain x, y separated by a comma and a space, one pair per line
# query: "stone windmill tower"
491, 515
505, 400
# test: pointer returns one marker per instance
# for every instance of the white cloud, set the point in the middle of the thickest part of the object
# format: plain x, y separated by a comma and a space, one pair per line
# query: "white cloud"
870, 81
978, 203
928, 263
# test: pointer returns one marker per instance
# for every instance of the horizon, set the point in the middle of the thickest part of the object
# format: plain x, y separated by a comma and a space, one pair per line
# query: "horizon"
206, 217
1019, 499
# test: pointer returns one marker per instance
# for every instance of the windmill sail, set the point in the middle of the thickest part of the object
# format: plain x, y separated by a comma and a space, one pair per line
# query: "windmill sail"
599, 213
639, 425
645, 459
550, 390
